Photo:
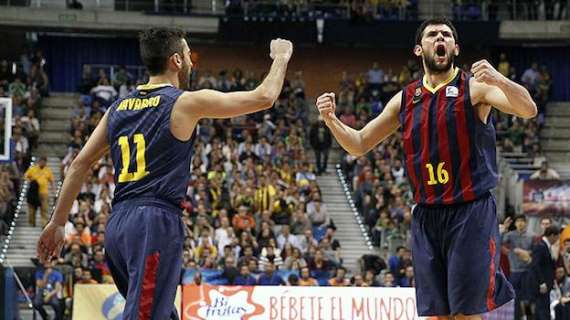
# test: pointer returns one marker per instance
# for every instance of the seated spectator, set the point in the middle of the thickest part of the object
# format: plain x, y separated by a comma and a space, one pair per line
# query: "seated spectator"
295, 261
389, 280
285, 237
104, 93
230, 272
339, 279
270, 255
358, 281
300, 224
560, 295
545, 173
49, 289
307, 241
269, 277
408, 280
245, 278
306, 280
87, 277
76, 257
370, 279
317, 212
243, 220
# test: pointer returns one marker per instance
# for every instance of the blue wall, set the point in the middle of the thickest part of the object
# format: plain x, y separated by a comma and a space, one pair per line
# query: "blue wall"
66, 56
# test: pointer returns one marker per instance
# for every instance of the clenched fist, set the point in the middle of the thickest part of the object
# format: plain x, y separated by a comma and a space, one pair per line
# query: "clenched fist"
483, 71
326, 105
281, 48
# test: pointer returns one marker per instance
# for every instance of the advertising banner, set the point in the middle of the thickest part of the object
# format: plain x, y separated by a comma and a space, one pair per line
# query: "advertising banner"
546, 197
101, 302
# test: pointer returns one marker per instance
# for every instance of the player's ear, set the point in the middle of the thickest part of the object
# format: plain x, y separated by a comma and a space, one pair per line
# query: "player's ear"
456, 50
418, 50
176, 59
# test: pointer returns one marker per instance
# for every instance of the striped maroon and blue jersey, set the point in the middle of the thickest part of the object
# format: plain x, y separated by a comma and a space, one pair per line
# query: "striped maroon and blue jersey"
450, 154
149, 161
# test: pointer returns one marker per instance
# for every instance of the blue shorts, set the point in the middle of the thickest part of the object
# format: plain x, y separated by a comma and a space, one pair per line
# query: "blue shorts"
455, 253
143, 247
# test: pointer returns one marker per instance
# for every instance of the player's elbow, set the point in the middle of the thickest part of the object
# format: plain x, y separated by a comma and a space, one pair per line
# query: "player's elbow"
266, 97
531, 111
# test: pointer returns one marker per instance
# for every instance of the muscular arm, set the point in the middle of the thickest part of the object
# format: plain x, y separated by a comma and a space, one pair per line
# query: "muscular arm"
489, 87
215, 104
359, 142
78, 172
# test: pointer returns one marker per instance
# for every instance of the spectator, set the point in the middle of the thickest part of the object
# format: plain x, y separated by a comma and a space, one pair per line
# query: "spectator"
358, 281
270, 278
285, 237
541, 275
49, 290
318, 212
306, 280
295, 261
389, 280
545, 173
375, 77
370, 279
230, 272
43, 176
245, 278
339, 279
519, 244
243, 220
104, 93
530, 78
504, 66
560, 295
270, 255
300, 224
408, 280
321, 141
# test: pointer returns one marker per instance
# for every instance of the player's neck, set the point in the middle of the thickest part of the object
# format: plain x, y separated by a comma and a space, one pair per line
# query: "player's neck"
164, 79
435, 79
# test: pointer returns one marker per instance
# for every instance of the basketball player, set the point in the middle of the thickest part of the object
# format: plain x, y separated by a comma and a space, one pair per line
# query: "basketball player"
449, 146
150, 135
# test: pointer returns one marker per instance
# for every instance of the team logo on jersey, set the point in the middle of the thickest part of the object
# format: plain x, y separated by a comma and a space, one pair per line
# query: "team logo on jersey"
451, 91
417, 96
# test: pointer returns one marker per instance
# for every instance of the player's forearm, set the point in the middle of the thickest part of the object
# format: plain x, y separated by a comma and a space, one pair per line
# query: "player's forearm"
270, 88
76, 176
520, 97
348, 138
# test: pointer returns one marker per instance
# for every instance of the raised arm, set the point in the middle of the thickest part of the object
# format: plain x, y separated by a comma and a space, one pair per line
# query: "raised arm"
359, 142
492, 88
214, 104
52, 237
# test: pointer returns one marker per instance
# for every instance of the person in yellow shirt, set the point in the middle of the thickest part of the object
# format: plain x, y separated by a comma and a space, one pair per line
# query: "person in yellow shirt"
43, 175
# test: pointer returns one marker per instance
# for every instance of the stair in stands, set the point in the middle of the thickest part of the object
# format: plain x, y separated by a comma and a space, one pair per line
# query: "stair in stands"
348, 233
56, 119
22, 247
555, 136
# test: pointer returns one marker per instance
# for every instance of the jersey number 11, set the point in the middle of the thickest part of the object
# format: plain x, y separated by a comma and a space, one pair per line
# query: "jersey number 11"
125, 175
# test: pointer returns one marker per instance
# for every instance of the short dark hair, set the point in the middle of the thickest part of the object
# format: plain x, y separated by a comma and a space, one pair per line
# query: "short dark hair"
434, 21
157, 45
551, 231
520, 217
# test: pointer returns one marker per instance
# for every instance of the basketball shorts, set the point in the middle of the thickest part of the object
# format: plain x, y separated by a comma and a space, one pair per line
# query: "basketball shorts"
143, 247
455, 253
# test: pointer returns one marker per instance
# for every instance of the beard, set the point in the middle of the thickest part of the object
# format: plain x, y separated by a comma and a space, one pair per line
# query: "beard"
433, 67
184, 78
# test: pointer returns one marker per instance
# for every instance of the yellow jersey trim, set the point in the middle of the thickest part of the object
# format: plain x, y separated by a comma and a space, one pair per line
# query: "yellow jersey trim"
153, 86
441, 85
